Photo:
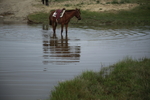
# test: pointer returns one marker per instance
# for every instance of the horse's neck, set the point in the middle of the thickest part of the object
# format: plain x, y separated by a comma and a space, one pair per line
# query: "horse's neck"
72, 14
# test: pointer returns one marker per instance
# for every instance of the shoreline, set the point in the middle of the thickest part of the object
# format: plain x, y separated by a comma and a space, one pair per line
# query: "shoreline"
18, 10
127, 79
137, 16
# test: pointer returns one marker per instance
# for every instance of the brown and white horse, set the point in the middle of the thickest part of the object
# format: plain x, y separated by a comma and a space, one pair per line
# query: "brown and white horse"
64, 20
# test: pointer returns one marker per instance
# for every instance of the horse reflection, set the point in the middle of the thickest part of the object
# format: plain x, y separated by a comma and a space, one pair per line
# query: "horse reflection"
59, 51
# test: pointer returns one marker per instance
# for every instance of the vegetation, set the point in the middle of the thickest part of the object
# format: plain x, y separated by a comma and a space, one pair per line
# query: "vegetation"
60, 0
139, 15
136, 16
128, 1
110, 1
125, 80
39, 17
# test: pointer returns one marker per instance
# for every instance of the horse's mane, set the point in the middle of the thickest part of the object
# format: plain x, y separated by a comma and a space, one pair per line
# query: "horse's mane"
69, 10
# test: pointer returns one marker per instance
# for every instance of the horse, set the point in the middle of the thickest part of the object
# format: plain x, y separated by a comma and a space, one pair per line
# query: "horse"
64, 20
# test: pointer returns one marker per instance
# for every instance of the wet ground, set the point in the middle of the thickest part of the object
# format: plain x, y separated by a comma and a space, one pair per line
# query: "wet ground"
32, 60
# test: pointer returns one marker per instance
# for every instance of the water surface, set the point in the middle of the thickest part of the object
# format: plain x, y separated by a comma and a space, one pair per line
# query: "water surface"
33, 60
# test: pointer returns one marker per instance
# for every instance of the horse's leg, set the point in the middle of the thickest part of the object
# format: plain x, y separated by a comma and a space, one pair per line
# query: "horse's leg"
54, 35
66, 29
62, 28
54, 27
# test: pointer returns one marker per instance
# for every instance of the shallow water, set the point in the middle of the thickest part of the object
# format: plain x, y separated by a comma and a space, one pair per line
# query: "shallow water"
32, 60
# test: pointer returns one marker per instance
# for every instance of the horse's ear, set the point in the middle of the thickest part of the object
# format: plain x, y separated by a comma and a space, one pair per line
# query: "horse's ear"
77, 9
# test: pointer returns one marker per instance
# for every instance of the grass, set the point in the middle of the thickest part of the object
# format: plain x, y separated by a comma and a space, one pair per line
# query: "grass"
111, 1
125, 80
60, 0
38, 18
137, 16
127, 1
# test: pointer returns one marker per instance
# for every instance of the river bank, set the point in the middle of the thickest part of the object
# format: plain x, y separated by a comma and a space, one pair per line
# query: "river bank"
102, 12
127, 79
137, 16
17, 10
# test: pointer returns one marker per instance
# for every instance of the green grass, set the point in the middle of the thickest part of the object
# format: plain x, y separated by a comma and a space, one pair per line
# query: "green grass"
39, 17
60, 0
125, 80
128, 1
113, 1
137, 16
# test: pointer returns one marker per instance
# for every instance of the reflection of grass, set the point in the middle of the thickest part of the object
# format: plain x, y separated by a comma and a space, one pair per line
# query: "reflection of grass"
125, 80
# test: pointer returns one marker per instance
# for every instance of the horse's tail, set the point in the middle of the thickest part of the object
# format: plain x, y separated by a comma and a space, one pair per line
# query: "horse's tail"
50, 21
50, 17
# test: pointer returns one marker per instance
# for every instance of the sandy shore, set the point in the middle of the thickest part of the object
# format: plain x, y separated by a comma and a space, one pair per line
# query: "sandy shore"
17, 10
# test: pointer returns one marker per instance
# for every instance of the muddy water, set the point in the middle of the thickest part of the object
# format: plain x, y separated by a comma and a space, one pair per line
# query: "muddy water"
33, 60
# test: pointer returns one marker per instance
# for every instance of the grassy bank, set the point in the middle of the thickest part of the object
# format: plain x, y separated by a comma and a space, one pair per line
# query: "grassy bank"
38, 18
137, 16
107, 1
125, 80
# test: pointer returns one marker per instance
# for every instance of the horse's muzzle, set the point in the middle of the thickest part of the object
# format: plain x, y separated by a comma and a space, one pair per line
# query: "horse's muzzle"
79, 18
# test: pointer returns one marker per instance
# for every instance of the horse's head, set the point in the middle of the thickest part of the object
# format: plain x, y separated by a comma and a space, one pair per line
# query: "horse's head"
78, 14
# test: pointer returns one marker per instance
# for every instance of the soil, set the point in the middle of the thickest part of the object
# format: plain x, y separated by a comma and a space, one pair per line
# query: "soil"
18, 10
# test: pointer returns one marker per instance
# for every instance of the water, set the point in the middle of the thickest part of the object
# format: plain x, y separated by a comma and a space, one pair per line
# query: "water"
33, 61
